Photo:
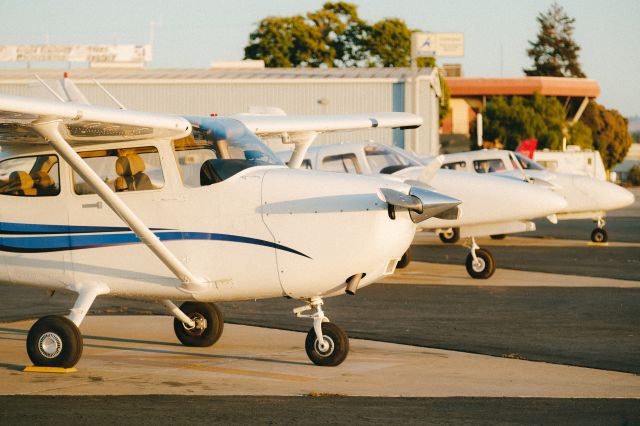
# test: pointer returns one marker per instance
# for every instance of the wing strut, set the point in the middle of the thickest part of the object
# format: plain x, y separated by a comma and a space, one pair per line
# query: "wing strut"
50, 131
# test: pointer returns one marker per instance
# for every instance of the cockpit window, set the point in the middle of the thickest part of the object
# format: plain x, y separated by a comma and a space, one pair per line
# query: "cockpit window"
36, 176
218, 149
489, 166
384, 159
527, 163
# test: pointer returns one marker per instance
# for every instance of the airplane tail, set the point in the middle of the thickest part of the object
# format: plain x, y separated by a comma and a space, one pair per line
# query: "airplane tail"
527, 147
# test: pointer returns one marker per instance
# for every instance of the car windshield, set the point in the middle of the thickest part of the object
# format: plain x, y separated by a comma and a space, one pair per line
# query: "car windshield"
527, 163
387, 160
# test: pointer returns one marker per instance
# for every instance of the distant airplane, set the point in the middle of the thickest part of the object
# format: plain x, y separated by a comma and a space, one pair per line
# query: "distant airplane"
490, 205
99, 201
587, 197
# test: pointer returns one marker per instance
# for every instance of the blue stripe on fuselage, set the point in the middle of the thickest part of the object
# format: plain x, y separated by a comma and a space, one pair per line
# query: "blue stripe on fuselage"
44, 244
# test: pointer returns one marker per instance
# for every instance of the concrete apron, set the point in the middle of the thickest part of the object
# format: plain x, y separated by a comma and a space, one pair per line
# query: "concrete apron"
135, 355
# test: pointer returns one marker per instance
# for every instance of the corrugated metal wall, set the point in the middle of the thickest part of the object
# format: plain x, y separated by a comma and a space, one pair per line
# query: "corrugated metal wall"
316, 97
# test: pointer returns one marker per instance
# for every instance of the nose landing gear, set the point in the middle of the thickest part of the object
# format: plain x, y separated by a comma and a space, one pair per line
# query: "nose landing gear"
599, 235
326, 344
480, 262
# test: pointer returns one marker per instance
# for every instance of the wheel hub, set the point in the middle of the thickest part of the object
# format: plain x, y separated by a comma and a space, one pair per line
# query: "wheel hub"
50, 345
478, 264
200, 324
326, 347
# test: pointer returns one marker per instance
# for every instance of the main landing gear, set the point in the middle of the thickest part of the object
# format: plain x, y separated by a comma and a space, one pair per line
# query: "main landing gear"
326, 344
405, 260
480, 263
599, 235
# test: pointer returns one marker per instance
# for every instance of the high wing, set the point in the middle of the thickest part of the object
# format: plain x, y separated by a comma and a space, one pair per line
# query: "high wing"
301, 130
81, 123
274, 125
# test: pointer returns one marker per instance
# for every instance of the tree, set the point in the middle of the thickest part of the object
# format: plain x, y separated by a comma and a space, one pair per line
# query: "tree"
554, 52
580, 134
515, 118
610, 133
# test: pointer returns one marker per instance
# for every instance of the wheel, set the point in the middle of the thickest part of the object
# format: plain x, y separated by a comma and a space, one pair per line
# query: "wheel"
54, 341
450, 236
599, 235
498, 236
483, 267
208, 328
405, 260
337, 350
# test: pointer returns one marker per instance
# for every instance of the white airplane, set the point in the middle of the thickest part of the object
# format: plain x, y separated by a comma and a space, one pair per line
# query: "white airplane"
587, 197
100, 201
490, 205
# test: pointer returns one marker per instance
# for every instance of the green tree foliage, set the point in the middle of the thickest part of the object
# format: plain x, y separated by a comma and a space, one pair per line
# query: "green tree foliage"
390, 43
515, 118
636, 137
610, 133
580, 134
634, 175
554, 52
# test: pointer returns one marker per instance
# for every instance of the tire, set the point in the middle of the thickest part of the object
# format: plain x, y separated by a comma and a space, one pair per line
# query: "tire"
54, 341
338, 346
486, 266
498, 236
405, 260
203, 313
599, 235
450, 237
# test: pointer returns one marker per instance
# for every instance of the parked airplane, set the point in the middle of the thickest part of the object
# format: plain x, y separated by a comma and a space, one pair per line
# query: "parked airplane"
490, 205
587, 197
99, 201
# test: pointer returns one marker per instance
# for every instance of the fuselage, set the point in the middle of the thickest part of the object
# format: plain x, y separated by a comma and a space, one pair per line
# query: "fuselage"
263, 231
485, 199
587, 197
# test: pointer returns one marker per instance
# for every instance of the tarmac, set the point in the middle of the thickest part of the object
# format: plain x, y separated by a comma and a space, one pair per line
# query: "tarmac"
552, 337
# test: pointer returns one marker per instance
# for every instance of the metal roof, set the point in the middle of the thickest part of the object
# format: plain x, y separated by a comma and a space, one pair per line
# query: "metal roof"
523, 86
392, 74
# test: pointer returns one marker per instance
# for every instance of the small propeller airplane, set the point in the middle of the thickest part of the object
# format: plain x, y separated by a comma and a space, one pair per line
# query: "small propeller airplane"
587, 197
491, 205
98, 200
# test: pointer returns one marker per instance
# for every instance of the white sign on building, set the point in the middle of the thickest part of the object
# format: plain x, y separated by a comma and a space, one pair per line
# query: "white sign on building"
439, 44
95, 54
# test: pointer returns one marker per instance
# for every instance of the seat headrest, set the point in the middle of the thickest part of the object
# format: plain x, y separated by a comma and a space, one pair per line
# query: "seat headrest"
42, 179
20, 181
129, 165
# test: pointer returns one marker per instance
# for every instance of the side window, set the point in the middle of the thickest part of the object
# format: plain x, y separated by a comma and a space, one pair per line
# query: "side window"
458, 165
345, 163
489, 166
306, 165
123, 170
36, 176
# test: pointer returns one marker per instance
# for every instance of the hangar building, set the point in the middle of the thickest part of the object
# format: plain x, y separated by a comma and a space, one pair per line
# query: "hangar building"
230, 91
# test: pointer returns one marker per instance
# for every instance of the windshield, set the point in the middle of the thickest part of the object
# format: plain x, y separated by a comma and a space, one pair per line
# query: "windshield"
217, 149
387, 159
527, 163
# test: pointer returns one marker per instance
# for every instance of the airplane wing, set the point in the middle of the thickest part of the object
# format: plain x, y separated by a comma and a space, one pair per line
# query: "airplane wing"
80, 123
275, 125
301, 130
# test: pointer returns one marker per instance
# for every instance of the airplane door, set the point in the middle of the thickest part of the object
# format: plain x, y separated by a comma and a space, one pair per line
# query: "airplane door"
33, 222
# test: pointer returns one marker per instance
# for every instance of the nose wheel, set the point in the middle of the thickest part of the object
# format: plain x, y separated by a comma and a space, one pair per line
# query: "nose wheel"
449, 236
599, 235
405, 260
480, 263
327, 345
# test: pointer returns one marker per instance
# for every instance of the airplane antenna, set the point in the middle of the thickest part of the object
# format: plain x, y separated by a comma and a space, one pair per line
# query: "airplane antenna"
113, 98
60, 98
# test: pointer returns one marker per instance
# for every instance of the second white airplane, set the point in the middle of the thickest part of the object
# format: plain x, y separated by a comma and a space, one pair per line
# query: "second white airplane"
490, 205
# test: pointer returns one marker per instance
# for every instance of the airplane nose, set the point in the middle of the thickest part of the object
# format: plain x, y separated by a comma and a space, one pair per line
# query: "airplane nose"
607, 195
423, 203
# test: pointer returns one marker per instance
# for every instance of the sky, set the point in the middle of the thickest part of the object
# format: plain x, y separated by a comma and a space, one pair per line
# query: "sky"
191, 34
